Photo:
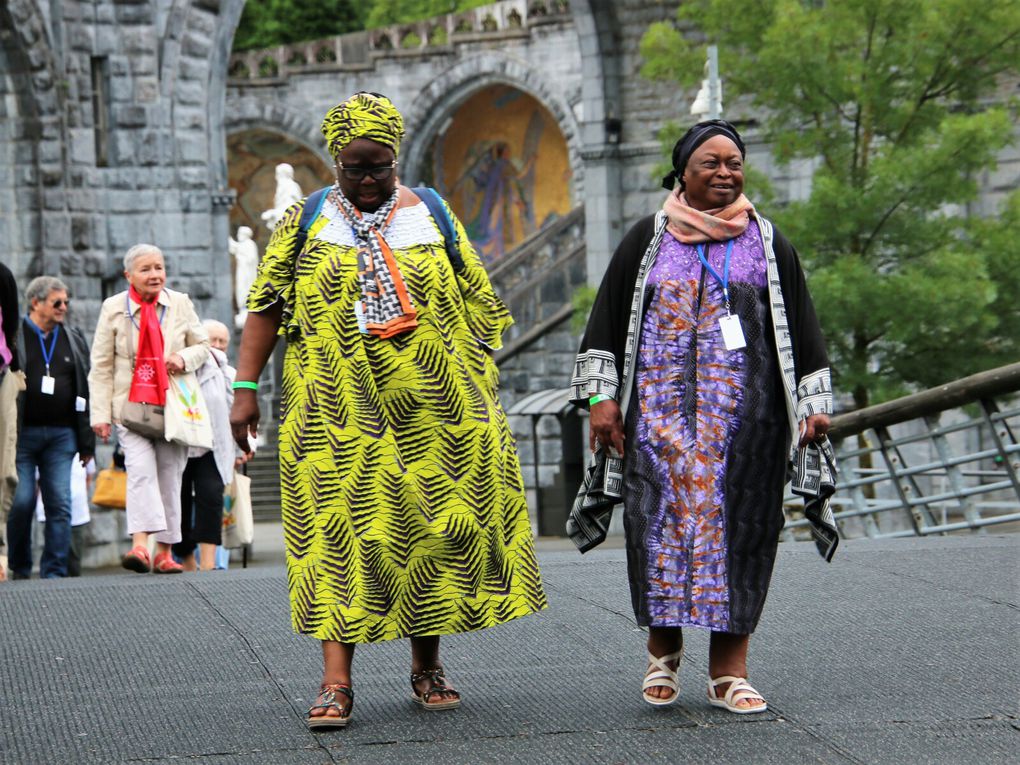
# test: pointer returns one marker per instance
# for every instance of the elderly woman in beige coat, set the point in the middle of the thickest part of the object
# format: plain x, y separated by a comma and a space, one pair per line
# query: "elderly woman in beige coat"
143, 317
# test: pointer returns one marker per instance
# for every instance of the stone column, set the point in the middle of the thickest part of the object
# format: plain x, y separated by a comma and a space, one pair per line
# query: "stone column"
600, 132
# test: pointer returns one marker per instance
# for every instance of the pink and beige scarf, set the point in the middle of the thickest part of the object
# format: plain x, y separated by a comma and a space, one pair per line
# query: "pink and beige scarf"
692, 226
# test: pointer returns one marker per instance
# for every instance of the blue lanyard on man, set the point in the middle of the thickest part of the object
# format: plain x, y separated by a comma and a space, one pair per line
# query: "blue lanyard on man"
723, 280
47, 383
47, 354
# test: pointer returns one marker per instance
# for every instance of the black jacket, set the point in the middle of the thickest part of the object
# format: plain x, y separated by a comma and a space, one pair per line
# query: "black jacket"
607, 323
80, 357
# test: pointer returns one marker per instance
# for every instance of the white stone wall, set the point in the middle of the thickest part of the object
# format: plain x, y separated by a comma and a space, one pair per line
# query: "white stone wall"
65, 211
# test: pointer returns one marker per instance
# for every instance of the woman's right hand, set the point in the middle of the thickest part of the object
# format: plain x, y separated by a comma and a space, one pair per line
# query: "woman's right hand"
244, 418
102, 430
605, 425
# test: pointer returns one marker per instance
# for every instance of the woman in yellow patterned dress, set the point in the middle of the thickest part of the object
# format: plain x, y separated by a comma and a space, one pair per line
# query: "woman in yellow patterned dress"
403, 504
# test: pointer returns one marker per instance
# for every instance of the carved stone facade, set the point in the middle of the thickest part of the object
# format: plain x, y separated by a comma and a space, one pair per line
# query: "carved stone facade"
112, 134
115, 117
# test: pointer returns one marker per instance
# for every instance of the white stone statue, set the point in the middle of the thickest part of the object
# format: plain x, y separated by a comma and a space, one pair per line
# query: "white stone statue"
287, 193
246, 263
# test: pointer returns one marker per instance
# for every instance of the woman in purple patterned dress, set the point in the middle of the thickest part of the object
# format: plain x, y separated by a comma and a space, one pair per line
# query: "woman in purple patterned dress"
702, 364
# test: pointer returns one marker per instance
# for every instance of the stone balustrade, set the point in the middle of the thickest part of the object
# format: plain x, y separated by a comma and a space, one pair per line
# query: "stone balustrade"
358, 50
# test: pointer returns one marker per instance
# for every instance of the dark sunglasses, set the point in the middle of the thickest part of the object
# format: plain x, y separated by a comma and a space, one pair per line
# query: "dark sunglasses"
61, 303
380, 173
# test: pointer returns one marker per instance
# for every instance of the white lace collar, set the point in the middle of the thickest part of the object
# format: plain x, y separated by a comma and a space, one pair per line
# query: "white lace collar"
410, 226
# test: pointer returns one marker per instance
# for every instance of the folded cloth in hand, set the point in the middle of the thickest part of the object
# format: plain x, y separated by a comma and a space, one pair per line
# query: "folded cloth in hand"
600, 492
814, 479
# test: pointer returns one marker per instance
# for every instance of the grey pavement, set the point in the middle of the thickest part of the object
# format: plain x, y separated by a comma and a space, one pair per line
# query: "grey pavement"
901, 651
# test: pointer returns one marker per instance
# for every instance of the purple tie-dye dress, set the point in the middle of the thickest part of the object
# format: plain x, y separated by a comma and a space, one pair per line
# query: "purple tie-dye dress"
707, 438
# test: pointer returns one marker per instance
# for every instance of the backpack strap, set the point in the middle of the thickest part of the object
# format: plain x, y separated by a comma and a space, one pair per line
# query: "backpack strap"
439, 214
311, 210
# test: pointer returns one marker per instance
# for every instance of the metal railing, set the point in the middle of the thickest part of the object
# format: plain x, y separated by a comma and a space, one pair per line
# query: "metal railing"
935, 462
537, 278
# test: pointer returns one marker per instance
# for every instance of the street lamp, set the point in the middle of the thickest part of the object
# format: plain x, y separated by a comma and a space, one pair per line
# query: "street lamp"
708, 101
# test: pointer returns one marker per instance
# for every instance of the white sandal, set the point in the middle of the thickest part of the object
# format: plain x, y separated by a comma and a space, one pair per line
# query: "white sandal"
739, 690
661, 676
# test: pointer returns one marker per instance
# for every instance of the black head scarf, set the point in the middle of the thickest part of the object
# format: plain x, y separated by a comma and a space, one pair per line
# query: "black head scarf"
692, 139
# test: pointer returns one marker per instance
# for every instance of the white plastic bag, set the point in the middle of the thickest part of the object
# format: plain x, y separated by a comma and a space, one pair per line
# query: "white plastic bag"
238, 522
186, 417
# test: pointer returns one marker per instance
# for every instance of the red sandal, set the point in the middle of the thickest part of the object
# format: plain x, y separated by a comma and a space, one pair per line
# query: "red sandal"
165, 564
137, 559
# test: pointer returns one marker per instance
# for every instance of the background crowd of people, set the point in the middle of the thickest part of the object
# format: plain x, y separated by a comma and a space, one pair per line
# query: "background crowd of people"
58, 395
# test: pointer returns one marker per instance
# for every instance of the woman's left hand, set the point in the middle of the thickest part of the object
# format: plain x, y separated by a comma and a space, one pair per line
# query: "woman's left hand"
814, 428
175, 364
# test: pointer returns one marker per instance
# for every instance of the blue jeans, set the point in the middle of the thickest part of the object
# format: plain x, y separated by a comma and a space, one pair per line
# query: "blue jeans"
51, 450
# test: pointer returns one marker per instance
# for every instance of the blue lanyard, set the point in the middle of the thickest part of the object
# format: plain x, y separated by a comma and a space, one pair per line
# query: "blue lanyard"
47, 355
724, 280
127, 312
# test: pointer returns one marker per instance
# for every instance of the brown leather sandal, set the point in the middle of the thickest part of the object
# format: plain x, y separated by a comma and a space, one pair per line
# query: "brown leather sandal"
438, 685
327, 701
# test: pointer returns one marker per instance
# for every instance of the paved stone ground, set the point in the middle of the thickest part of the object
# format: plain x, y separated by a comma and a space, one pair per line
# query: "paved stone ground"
903, 651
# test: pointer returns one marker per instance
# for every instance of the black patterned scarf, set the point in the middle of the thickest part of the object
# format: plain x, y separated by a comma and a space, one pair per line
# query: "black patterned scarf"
385, 304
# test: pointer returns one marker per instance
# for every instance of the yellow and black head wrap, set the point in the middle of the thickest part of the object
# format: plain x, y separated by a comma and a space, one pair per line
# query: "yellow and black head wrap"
363, 115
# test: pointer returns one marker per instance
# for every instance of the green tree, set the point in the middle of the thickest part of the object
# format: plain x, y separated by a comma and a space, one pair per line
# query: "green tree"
403, 11
896, 100
279, 22
268, 23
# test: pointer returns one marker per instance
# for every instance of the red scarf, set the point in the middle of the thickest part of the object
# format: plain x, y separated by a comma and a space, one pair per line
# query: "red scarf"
150, 380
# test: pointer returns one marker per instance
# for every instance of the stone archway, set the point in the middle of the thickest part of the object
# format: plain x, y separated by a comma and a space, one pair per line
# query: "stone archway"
504, 166
597, 27
426, 119
494, 116
253, 113
252, 157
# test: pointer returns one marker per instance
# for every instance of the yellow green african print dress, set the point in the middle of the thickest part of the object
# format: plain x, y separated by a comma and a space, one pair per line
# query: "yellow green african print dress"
402, 498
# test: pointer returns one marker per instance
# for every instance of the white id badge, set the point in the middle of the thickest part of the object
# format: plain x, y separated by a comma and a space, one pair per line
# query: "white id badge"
47, 385
79, 404
732, 334
359, 314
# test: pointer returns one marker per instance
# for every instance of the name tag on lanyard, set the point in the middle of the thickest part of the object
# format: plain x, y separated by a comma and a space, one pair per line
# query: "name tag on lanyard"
732, 332
729, 325
48, 383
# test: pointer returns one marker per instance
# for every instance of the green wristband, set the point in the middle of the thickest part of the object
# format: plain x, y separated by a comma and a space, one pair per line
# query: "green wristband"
598, 398
247, 384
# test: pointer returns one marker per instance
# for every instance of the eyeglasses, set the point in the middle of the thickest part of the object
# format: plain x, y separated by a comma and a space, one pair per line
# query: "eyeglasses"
61, 303
380, 173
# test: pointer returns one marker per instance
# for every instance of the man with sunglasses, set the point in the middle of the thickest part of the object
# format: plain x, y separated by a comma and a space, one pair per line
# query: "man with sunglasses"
53, 424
